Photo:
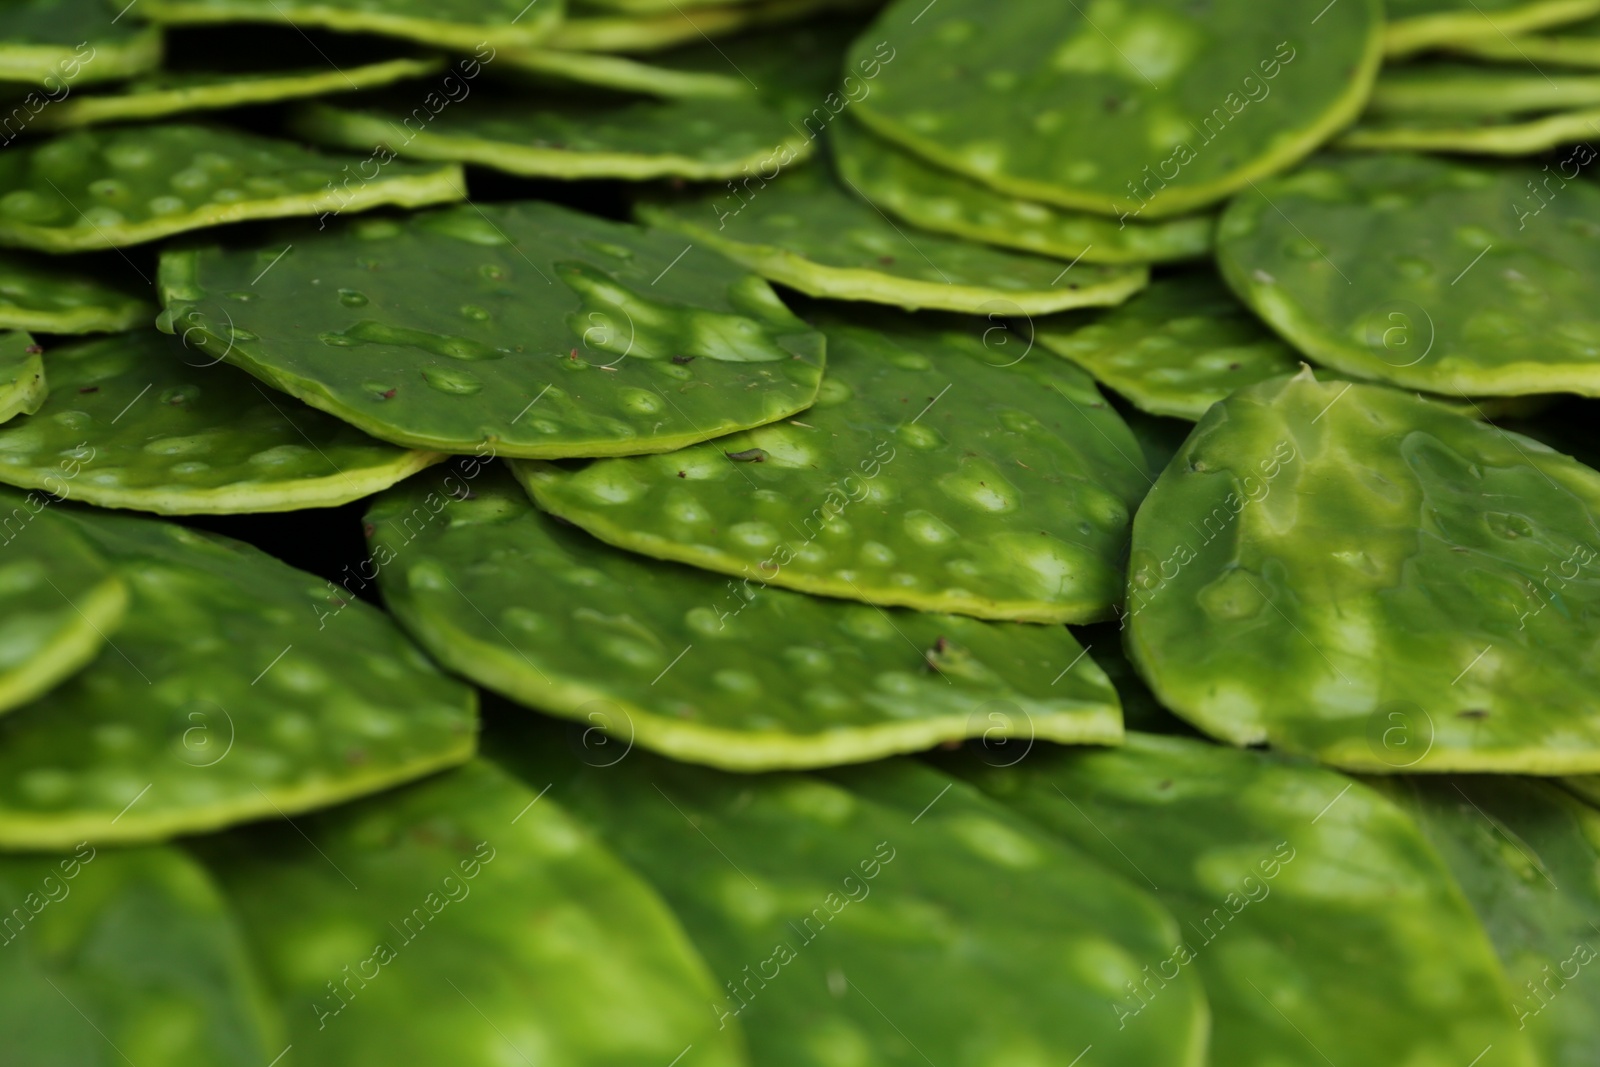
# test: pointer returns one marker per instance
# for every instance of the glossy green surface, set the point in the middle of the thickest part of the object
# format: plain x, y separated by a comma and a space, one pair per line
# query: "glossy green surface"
111, 957
1450, 277
943, 468
808, 232
685, 24
105, 188
884, 916
466, 920
699, 668
513, 329
237, 688
1417, 25
37, 294
1323, 925
158, 427
1133, 112
58, 597
596, 135
458, 25
159, 95
22, 385
1353, 573
1524, 852
1174, 349
62, 43
945, 202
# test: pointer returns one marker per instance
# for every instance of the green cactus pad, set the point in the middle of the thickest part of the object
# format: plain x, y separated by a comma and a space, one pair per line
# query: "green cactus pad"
458, 25
466, 920
1393, 563
808, 233
939, 470
157, 427
527, 329
237, 688
1574, 44
105, 188
1142, 113
593, 136
37, 294
945, 202
651, 7
1315, 912
688, 664
1499, 136
126, 956
824, 907
1417, 25
1428, 273
1174, 349
22, 386
623, 74
60, 43
58, 597
1525, 854
161, 95
684, 25
1476, 90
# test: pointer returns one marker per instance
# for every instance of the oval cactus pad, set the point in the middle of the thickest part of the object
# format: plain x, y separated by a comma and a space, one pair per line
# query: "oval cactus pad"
939, 470
466, 920
1525, 854
125, 185
67, 43
160, 95
528, 329
460, 25
1311, 907
1353, 572
1500, 135
145, 959
909, 188
807, 232
158, 427
1428, 273
238, 688
1572, 44
1174, 349
1139, 111
588, 135
37, 294
22, 386
58, 597
1417, 25
822, 906
692, 665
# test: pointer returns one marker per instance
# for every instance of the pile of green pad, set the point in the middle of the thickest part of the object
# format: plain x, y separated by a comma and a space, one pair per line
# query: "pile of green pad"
799, 533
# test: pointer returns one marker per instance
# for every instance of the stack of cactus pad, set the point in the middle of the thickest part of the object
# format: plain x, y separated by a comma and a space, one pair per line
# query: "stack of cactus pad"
799, 533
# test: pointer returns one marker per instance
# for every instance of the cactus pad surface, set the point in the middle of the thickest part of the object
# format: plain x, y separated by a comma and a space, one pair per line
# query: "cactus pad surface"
37, 294
1312, 908
457, 25
1354, 573
831, 901
466, 920
68, 43
1431, 274
807, 232
158, 427
518, 329
58, 598
105, 188
939, 470
237, 688
22, 385
694, 666
943, 201
1138, 112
